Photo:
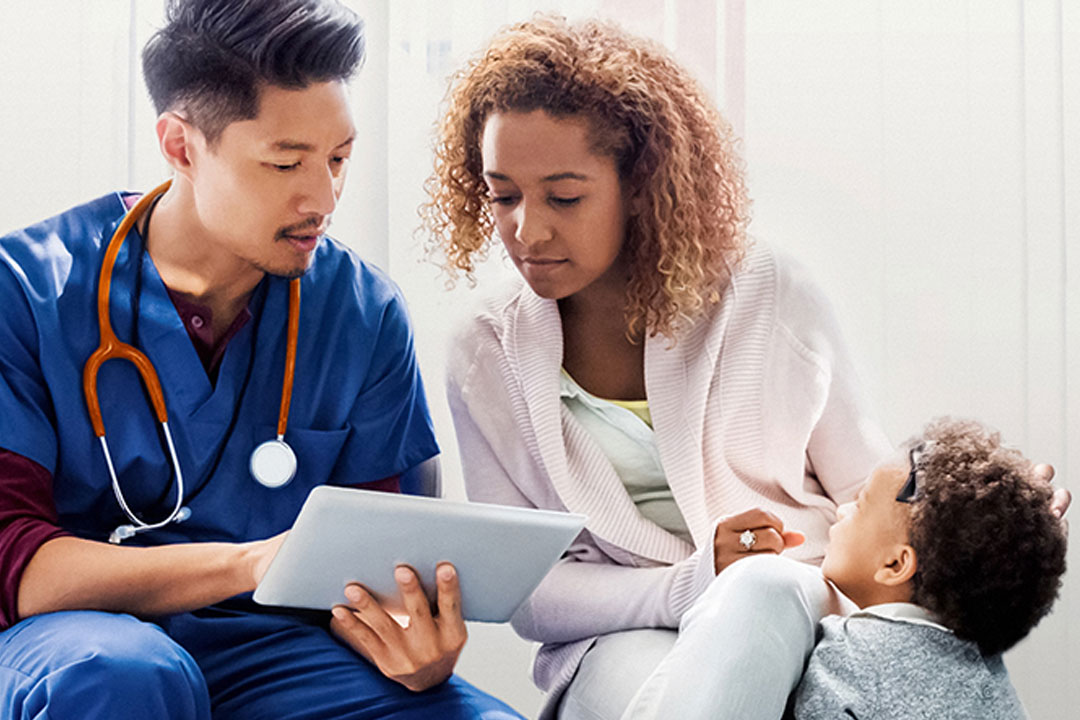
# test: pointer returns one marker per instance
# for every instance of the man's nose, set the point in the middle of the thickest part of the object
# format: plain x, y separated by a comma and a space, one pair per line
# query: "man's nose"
320, 194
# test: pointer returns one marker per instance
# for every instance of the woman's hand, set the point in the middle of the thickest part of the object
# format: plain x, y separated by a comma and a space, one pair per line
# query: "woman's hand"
419, 655
766, 535
1059, 504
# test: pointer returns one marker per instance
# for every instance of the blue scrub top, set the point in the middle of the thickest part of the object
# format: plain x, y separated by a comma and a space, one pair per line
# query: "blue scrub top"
358, 409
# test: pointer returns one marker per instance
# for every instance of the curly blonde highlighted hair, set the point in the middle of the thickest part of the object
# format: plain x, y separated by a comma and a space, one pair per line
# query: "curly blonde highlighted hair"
674, 152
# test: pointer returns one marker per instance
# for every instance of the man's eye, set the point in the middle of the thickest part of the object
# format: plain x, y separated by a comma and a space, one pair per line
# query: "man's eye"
285, 168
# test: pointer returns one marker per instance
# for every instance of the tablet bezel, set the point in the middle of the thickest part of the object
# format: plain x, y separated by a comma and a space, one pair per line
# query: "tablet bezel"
325, 550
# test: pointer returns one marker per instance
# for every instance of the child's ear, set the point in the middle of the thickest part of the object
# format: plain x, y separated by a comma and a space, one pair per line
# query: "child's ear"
899, 566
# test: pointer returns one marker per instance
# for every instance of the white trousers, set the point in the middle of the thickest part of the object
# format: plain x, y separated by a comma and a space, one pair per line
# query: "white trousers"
739, 652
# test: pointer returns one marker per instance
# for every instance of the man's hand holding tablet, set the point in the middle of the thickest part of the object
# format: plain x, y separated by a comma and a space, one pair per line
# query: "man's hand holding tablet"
371, 557
421, 651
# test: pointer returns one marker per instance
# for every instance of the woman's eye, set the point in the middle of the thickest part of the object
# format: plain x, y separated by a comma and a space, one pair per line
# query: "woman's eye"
566, 201
503, 199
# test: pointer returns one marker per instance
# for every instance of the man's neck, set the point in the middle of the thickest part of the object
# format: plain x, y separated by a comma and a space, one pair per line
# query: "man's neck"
191, 264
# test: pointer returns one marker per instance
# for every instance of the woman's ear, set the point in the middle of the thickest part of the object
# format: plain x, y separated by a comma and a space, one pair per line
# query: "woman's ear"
175, 136
899, 566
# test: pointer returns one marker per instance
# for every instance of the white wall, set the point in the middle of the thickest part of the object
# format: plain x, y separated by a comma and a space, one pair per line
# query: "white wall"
921, 156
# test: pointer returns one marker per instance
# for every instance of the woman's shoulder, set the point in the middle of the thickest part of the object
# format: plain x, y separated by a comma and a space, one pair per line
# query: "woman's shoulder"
488, 313
789, 285
800, 308
484, 328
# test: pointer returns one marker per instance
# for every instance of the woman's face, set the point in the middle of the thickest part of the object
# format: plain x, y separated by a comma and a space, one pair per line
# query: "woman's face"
558, 206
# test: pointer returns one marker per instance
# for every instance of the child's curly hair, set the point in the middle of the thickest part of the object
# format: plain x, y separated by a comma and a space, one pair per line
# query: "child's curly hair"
990, 553
674, 153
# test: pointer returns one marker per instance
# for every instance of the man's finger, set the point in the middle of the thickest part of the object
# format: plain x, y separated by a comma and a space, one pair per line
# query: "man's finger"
369, 612
357, 635
451, 624
413, 597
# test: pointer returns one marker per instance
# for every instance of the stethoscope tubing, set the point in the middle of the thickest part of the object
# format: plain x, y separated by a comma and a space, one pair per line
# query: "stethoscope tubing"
110, 347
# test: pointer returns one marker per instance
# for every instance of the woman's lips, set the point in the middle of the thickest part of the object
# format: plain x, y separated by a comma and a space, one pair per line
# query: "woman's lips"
542, 261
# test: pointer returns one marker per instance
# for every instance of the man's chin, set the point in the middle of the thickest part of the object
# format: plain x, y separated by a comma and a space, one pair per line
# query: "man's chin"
291, 274
288, 273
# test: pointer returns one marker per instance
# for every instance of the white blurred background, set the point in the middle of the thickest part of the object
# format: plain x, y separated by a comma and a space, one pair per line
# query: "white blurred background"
921, 156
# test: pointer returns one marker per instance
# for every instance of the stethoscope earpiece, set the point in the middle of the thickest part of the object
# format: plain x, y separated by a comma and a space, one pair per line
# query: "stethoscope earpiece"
121, 534
124, 532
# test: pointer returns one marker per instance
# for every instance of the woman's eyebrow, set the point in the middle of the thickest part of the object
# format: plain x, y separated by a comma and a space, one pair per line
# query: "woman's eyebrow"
565, 176
555, 177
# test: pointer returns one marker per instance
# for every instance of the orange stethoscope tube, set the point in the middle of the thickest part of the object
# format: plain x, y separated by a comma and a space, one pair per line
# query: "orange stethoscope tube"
112, 348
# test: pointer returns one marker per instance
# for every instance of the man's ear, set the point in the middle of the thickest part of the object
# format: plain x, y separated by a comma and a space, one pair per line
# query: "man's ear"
175, 139
899, 566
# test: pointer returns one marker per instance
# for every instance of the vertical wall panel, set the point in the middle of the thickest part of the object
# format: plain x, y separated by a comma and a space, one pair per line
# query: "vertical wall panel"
1044, 226
63, 105
813, 152
1041, 664
1069, 692
146, 167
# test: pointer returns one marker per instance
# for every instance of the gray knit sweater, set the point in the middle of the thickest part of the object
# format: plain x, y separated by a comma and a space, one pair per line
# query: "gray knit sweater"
866, 666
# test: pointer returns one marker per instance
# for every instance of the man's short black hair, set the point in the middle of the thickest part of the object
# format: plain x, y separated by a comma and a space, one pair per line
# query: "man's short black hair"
212, 57
990, 553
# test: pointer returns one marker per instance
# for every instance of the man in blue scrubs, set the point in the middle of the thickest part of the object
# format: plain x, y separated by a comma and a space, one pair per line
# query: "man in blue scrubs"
255, 125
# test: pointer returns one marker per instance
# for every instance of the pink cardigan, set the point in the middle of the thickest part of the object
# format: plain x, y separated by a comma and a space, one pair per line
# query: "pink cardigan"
757, 404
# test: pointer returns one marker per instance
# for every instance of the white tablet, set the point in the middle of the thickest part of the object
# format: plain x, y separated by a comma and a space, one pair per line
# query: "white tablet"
345, 535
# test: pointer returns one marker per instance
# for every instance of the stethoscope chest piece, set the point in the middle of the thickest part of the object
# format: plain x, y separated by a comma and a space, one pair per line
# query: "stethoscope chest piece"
273, 463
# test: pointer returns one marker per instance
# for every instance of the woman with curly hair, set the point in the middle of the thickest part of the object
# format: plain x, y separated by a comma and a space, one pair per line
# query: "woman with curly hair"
652, 369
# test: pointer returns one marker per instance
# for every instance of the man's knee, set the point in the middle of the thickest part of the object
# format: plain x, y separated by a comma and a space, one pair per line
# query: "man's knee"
90, 665
456, 699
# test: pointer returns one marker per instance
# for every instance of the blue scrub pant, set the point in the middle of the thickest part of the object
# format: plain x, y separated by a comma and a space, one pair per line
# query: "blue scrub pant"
220, 663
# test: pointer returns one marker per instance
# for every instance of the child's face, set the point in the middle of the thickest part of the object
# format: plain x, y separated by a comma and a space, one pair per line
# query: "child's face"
867, 533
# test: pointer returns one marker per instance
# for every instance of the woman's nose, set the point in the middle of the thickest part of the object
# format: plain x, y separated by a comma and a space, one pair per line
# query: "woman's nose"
531, 225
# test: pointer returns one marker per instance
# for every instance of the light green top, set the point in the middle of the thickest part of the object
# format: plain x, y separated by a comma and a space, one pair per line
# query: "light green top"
623, 431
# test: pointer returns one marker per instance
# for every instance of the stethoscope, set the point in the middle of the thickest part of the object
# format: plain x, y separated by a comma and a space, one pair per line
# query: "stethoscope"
273, 462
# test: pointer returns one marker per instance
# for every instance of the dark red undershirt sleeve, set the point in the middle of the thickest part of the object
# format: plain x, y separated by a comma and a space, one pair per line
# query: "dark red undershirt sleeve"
390, 484
27, 520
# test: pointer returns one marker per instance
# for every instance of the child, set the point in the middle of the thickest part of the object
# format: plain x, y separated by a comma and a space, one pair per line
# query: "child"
953, 554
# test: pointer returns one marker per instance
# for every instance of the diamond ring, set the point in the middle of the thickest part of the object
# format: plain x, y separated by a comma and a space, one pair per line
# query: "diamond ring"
748, 539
